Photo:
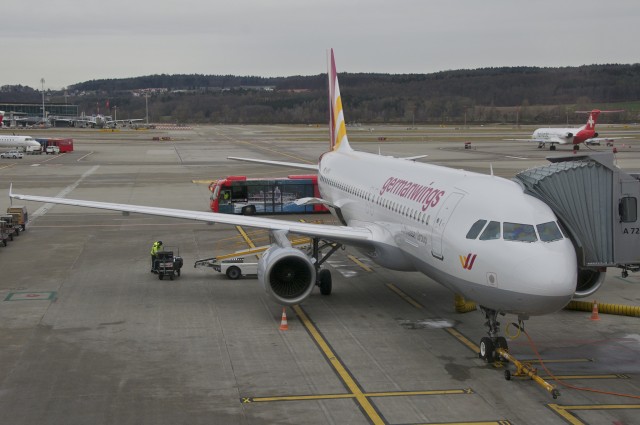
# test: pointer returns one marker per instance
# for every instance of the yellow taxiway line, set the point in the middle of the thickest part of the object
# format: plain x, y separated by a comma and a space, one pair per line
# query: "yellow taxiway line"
564, 411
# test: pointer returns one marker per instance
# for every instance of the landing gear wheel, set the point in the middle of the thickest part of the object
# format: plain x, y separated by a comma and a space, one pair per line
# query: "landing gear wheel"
233, 273
324, 281
507, 375
552, 148
487, 349
501, 342
576, 147
555, 394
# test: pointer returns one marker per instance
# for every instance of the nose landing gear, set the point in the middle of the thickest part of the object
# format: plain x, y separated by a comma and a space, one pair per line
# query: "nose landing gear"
488, 345
495, 347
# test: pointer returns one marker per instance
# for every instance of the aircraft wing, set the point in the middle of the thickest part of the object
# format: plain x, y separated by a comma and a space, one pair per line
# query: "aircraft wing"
313, 167
344, 234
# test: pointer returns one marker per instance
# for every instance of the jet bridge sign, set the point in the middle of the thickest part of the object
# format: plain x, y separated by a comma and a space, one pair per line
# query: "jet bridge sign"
597, 204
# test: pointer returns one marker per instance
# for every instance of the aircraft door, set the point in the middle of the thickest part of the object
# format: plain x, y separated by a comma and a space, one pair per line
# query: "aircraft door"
440, 222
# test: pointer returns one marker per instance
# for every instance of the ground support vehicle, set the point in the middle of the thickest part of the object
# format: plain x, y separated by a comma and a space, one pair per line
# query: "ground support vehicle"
167, 264
236, 264
234, 268
12, 228
4, 233
20, 216
12, 154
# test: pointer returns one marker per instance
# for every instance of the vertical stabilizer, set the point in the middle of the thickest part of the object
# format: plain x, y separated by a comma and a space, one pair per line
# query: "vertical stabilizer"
1, 117
591, 121
339, 139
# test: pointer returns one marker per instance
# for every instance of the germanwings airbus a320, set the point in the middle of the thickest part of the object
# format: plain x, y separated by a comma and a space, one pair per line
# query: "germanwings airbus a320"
479, 235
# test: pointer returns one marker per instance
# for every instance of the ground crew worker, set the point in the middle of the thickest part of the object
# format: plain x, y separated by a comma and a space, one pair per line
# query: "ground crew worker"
157, 246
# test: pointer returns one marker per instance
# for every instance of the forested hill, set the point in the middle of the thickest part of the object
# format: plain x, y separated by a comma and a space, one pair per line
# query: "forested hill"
480, 95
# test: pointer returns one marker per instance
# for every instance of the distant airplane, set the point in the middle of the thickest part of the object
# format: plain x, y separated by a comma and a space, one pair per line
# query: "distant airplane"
560, 136
96, 121
19, 142
478, 235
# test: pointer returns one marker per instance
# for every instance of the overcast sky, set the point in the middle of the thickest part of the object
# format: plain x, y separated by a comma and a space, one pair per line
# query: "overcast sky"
71, 41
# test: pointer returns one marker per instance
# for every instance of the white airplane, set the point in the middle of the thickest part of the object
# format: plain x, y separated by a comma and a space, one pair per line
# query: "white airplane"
96, 121
560, 136
479, 235
27, 142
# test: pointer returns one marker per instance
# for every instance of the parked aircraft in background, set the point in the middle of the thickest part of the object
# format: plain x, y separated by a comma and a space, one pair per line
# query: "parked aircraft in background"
26, 142
560, 136
96, 121
479, 235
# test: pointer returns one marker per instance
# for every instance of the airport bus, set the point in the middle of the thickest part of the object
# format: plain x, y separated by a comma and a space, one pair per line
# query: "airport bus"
248, 196
65, 145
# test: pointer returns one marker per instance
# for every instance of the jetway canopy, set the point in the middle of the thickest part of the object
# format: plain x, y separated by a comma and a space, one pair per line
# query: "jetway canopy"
596, 202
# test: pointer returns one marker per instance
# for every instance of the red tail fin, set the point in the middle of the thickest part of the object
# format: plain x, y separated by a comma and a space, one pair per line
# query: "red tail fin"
591, 121
1, 117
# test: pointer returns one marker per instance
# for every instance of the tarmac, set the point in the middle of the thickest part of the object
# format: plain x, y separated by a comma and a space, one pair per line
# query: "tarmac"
89, 336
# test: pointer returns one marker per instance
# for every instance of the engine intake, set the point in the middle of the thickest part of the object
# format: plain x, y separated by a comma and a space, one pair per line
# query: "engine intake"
287, 275
589, 280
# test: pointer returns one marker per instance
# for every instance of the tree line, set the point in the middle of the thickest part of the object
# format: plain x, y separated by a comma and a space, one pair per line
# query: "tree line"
487, 95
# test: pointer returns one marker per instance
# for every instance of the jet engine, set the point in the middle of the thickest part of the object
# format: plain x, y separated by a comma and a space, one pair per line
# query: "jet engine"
595, 134
569, 135
286, 274
589, 280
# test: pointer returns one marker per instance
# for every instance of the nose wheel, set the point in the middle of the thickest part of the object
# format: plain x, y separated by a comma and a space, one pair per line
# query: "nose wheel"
489, 345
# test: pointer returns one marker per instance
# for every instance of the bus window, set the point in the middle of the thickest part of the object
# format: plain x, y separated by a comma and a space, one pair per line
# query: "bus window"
225, 199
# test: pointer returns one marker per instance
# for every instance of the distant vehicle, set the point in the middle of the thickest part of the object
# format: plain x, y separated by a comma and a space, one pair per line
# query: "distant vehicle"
12, 154
560, 136
249, 196
54, 150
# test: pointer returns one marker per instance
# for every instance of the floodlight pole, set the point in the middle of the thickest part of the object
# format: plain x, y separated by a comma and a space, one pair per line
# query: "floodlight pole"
44, 115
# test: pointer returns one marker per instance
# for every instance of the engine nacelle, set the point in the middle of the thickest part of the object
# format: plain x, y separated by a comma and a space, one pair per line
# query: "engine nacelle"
595, 134
286, 274
568, 135
589, 280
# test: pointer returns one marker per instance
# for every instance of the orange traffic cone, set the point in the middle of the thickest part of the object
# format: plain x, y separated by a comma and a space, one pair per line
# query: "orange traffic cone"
594, 312
284, 326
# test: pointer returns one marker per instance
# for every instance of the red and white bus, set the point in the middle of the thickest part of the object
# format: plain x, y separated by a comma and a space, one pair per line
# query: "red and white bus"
242, 195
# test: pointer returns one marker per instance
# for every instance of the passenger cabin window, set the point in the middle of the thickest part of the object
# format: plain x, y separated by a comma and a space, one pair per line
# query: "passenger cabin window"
628, 209
476, 228
549, 232
519, 232
492, 231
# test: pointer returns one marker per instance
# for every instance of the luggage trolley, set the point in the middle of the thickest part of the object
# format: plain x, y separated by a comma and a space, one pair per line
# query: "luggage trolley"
167, 264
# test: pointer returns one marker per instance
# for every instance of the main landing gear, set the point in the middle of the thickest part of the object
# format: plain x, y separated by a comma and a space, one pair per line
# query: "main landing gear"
323, 276
488, 345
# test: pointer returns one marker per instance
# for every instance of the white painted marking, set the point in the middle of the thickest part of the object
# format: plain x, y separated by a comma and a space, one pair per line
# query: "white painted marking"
64, 192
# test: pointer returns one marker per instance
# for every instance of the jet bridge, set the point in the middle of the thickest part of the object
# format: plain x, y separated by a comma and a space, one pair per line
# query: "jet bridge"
597, 203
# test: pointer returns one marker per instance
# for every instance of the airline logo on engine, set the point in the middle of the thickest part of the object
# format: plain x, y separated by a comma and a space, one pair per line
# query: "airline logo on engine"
428, 196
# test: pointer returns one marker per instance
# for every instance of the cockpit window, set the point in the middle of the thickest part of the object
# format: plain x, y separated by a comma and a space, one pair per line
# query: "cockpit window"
492, 231
475, 229
519, 232
549, 231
